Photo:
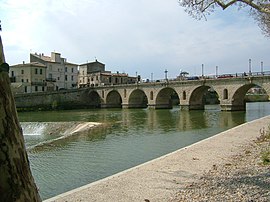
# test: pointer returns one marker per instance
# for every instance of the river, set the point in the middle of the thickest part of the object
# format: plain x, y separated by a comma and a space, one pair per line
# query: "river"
128, 137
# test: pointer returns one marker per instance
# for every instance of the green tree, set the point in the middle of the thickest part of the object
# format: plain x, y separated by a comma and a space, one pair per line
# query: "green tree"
16, 181
259, 9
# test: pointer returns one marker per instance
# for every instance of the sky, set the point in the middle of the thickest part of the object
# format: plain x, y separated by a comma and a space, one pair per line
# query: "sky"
143, 37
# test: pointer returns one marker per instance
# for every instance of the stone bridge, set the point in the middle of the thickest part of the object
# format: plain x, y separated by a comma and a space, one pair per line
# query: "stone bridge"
190, 94
231, 93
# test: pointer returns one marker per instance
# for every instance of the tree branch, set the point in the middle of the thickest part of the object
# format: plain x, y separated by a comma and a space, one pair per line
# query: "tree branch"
260, 7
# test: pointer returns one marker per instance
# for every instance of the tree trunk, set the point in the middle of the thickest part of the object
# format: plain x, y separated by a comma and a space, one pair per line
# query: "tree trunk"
16, 181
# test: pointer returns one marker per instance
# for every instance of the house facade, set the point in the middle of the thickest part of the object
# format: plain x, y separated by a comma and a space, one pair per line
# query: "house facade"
94, 74
60, 74
28, 77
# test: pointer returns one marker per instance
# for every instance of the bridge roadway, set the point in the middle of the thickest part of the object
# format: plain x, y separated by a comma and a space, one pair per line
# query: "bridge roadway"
230, 90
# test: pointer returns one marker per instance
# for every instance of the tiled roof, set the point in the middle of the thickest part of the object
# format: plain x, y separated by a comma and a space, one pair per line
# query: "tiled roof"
114, 74
31, 64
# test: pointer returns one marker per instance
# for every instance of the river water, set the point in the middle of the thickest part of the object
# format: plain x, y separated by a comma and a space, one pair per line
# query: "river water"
129, 137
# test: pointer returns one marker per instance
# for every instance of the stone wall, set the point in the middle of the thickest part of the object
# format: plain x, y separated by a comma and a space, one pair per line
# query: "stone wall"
70, 99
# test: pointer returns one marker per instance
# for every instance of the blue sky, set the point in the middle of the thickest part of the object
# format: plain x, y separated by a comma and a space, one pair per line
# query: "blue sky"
143, 36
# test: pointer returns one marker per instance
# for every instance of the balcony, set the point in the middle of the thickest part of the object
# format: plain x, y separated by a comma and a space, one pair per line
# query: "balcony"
50, 79
38, 83
12, 79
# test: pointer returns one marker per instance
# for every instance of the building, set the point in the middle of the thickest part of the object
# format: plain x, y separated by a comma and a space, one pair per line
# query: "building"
60, 74
28, 77
94, 74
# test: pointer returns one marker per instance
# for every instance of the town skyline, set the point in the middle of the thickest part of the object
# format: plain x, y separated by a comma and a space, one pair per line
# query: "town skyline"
144, 38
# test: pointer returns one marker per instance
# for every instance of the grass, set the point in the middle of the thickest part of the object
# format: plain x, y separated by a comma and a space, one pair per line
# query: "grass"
264, 138
265, 157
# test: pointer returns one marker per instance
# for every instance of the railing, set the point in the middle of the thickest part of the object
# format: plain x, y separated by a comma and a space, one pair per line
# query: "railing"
12, 79
38, 83
51, 79
220, 76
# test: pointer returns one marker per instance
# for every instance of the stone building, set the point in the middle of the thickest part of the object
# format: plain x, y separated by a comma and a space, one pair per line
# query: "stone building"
94, 74
28, 77
60, 74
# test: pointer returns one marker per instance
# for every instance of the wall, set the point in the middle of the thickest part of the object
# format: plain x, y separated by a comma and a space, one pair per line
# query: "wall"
71, 99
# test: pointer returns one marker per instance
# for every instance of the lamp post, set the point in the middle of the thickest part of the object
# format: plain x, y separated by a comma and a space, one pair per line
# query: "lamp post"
249, 67
216, 71
152, 77
262, 68
202, 70
166, 74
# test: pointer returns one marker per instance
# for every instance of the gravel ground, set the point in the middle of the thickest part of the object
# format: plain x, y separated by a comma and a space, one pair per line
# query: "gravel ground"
242, 178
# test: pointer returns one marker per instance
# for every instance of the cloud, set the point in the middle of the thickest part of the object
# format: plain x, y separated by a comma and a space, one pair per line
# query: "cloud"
132, 36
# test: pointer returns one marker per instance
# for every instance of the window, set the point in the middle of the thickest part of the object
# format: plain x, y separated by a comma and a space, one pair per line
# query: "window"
25, 89
36, 88
22, 80
72, 70
22, 72
225, 94
66, 78
72, 78
36, 71
40, 71
65, 69
58, 78
184, 95
12, 73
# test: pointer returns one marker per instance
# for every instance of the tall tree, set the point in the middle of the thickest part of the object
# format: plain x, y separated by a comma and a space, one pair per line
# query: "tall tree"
16, 181
259, 9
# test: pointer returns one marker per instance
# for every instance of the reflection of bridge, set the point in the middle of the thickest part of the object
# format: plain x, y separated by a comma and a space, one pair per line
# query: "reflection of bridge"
231, 92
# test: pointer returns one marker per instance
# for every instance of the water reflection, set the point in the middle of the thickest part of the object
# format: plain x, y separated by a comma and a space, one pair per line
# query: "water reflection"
131, 137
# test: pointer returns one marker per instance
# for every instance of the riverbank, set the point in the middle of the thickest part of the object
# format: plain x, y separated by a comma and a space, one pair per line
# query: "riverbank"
162, 178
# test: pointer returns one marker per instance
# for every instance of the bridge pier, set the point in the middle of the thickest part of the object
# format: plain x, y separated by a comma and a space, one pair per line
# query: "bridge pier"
160, 106
191, 107
231, 107
129, 106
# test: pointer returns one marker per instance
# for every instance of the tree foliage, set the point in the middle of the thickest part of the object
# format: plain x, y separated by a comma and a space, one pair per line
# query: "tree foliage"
259, 9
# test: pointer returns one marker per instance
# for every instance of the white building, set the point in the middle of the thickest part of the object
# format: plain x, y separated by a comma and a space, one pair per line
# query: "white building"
60, 74
28, 77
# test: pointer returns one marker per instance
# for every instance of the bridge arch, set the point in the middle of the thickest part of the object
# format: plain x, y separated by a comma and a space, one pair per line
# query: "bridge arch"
113, 100
91, 99
166, 98
137, 99
203, 95
238, 98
